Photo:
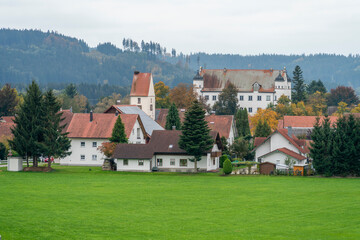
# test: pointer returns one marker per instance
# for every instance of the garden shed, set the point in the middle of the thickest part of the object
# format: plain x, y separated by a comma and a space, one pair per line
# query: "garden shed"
267, 168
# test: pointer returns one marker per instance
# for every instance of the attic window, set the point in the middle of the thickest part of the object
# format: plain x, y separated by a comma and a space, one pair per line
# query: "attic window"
256, 87
170, 146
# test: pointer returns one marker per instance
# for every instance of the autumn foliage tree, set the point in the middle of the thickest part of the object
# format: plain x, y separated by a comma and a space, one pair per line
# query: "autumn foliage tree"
342, 94
182, 95
269, 115
162, 95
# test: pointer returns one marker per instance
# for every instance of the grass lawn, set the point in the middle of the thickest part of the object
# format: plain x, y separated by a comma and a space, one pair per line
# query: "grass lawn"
75, 203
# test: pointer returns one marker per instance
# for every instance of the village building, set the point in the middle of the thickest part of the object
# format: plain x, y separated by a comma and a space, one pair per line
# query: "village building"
87, 131
256, 88
142, 93
279, 146
164, 154
149, 124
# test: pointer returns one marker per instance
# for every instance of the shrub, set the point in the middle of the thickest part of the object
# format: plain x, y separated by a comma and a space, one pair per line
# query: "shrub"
227, 167
222, 160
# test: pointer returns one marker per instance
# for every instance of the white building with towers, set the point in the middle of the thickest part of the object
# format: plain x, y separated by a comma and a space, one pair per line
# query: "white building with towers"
142, 93
256, 88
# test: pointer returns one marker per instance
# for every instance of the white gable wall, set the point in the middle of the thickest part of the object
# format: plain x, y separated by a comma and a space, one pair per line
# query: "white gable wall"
279, 141
133, 165
134, 137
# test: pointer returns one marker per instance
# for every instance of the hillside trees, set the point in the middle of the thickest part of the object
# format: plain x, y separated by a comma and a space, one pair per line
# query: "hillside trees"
227, 102
195, 138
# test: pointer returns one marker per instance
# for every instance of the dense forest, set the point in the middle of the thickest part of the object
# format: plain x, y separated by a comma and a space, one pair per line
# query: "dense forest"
55, 60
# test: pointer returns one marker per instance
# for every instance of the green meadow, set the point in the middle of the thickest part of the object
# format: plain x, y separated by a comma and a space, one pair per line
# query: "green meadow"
75, 203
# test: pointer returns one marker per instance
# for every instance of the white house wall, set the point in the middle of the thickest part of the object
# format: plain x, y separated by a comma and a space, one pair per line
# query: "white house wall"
133, 165
133, 138
88, 151
279, 158
263, 149
279, 141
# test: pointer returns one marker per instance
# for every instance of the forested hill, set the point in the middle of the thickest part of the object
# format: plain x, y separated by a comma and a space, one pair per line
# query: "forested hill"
54, 59
332, 69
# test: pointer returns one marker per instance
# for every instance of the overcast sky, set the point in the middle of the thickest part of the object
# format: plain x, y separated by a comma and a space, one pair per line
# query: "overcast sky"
222, 26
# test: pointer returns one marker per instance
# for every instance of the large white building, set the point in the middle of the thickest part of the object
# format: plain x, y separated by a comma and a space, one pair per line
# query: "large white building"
142, 93
256, 88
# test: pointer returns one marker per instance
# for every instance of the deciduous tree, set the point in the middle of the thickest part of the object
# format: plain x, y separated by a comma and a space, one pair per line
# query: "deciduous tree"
342, 94
227, 101
182, 95
8, 100
162, 95
264, 114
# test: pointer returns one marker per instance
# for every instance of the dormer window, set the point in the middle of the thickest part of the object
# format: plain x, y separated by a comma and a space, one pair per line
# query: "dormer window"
256, 86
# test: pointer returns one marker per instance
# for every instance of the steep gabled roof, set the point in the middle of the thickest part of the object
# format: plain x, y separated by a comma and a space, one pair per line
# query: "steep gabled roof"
243, 79
259, 140
287, 152
101, 126
149, 124
6, 123
140, 84
220, 123
161, 115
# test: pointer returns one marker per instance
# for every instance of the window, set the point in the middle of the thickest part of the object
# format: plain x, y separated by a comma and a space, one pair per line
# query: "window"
82, 144
206, 97
82, 157
183, 162
268, 98
275, 98
256, 87
141, 162
150, 100
94, 144
250, 110
259, 98
213, 161
126, 162
250, 98
151, 107
172, 162
139, 100
159, 162
138, 133
214, 97
241, 98
94, 157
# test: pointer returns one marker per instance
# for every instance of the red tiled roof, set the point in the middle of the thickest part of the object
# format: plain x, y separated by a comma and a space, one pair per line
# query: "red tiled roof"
220, 123
67, 115
304, 121
101, 126
284, 132
140, 84
6, 123
259, 140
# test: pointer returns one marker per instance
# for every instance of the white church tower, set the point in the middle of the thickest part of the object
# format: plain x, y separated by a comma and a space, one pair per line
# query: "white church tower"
142, 93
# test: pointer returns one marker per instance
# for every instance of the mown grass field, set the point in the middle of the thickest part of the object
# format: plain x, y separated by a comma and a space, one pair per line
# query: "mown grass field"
75, 203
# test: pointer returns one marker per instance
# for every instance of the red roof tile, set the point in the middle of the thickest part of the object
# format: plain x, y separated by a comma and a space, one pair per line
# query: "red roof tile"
6, 123
259, 140
220, 123
140, 84
101, 126
304, 121
287, 152
161, 117
67, 115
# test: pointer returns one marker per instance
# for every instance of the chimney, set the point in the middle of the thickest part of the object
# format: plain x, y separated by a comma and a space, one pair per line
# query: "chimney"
290, 131
91, 116
173, 127
136, 72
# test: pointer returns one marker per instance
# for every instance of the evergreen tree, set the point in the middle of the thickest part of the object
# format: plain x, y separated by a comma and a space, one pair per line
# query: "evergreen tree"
3, 151
173, 119
70, 90
262, 129
298, 90
118, 134
227, 167
242, 123
29, 129
227, 103
240, 148
195, 138
321, 147
316, 86
56, 144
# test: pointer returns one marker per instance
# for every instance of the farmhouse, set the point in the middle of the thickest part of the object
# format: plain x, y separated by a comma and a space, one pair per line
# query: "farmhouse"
279, 146
142, 93
164, 154
256, 88
87, 131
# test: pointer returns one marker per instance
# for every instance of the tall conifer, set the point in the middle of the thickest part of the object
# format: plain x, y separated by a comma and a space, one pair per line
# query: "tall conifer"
173, 119
118, 134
